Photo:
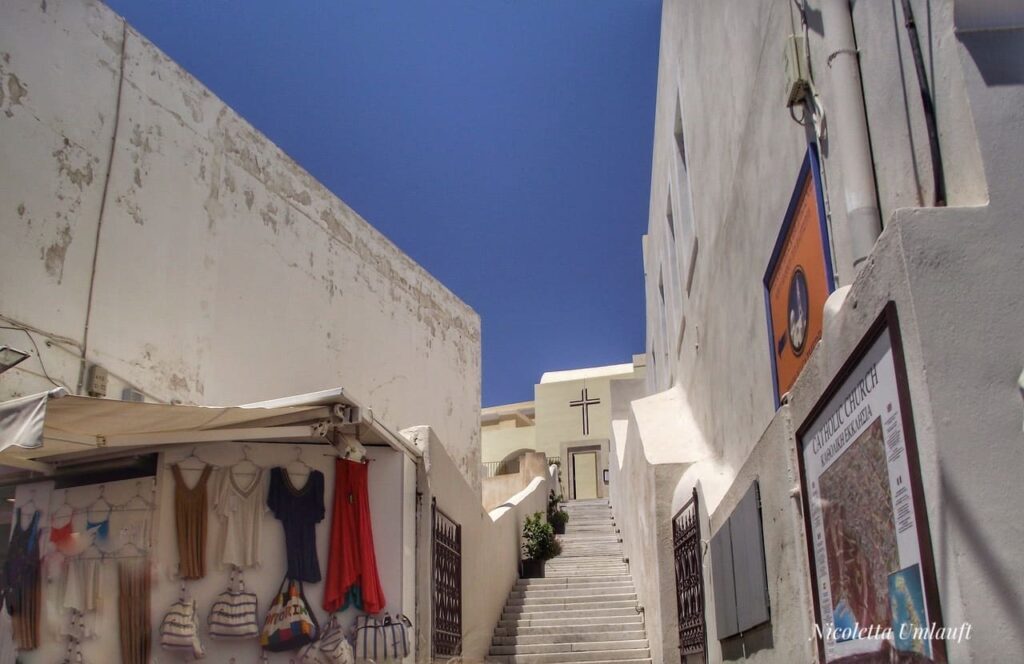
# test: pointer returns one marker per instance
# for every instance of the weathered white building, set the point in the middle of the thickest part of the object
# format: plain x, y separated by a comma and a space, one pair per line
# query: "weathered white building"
157, 248
149, 230
927, 264
570, 419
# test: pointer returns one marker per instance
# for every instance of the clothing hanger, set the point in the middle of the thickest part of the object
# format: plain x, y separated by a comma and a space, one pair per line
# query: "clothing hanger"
145, 504
65, 504
100, 553
119, 554
299, 459
31, 501
191, 455
256, 468
100, 501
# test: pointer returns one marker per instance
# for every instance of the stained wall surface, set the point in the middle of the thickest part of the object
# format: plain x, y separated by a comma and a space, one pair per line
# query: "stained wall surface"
727, 152
150, 228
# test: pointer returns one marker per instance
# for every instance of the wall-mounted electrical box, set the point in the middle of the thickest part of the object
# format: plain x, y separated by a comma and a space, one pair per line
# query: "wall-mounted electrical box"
798, 79
96, 386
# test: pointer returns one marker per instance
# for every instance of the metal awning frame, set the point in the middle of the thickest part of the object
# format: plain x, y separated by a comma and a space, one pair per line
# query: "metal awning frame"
326, 417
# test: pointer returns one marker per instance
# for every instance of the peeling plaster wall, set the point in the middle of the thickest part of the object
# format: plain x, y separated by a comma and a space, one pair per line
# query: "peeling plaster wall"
224, 273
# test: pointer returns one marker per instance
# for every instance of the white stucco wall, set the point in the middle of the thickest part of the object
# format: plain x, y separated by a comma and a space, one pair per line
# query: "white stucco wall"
490, 544
390, 506
224, 273
951, 272
497, 443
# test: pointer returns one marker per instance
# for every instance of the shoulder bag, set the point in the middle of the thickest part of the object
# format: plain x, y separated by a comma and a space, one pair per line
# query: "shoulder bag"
290, 623
233, 614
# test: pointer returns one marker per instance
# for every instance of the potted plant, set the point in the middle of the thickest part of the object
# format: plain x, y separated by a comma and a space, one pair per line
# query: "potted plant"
557, 517
539, 545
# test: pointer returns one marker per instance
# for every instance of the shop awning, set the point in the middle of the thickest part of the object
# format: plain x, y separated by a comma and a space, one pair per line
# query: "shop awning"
43, 430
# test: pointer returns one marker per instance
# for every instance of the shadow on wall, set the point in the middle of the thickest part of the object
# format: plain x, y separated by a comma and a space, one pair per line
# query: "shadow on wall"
748, 643
998, 54
958, 515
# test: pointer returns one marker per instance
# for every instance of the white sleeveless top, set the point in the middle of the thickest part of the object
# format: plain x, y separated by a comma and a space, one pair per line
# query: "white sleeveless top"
240, 507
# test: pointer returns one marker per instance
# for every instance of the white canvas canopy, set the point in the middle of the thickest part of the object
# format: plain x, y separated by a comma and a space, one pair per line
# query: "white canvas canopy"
39, 431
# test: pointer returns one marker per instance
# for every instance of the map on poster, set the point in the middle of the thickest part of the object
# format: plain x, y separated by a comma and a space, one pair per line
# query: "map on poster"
863, 523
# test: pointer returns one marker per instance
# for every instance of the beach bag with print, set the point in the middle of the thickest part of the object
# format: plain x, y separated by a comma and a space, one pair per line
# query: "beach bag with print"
233, 614
396, 637
179, 629
334, 646
369, 639
290, 623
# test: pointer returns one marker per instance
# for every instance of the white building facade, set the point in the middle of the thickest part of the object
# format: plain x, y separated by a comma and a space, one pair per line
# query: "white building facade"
157, 248
919, 257
152, 232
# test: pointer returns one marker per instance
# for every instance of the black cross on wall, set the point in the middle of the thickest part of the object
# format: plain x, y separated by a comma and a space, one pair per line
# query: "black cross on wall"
585, 403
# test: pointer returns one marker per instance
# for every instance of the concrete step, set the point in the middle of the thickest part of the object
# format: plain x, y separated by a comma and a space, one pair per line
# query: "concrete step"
570, 633
591, 656
595, 590
581, 563
606, 569
584, 611
511, 626
568, 602
579, 646
568, 582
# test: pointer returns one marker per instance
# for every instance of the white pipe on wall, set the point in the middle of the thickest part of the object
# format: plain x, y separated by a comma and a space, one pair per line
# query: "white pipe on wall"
850, 130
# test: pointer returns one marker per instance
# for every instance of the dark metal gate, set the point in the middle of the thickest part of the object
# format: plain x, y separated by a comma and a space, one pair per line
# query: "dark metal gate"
689, 579
447, 585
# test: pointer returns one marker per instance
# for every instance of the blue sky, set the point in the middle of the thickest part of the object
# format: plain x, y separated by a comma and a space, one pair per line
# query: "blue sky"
504, 144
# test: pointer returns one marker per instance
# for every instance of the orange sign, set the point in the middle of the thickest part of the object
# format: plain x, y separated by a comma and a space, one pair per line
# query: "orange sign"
798, 280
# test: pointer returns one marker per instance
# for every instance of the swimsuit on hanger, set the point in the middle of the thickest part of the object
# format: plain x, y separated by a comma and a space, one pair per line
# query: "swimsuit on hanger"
100, 528
61, 536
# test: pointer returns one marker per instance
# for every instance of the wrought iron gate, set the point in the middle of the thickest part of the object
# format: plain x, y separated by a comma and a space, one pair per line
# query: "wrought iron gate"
447, 585
689, 579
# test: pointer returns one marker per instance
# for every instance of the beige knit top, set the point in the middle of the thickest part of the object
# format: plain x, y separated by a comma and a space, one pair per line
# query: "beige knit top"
190, 523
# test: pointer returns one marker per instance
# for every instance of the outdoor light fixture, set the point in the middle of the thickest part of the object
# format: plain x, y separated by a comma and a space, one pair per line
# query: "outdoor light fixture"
9, 357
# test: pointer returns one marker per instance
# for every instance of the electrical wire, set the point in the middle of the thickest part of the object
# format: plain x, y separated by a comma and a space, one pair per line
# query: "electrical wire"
39, 355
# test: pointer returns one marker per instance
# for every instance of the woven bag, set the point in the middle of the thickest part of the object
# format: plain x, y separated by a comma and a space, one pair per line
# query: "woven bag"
290, 623
370, 645
179, 629
396, 637
334, 646
233, 613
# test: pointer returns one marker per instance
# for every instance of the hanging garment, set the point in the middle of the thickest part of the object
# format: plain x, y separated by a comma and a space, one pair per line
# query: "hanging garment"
21, 581
133, 583
298, 510
61, 537
241, 517
190, 523
81, 584
100, 529
352, 564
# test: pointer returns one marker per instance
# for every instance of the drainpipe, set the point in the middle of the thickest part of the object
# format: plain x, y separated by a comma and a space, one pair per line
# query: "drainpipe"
850, 130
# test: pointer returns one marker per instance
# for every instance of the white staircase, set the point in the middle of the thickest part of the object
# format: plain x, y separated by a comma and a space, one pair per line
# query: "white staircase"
585, 610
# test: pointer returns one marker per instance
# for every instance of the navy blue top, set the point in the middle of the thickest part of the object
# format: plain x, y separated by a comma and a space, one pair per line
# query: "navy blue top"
298, 510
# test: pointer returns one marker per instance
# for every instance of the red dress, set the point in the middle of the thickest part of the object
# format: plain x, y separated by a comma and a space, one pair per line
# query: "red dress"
352, 564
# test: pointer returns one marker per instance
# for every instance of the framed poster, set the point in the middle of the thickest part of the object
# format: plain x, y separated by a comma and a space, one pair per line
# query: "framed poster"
799, 278
869, 548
